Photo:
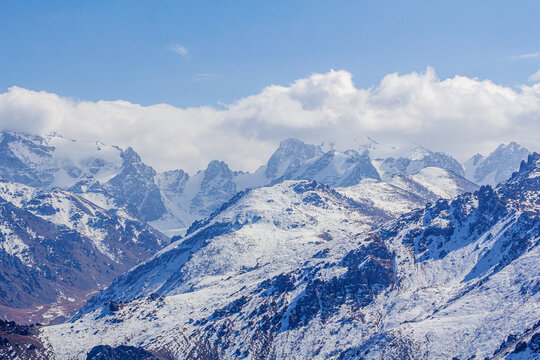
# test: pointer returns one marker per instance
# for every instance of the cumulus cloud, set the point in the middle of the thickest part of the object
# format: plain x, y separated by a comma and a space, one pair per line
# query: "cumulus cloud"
179, 49
458, 115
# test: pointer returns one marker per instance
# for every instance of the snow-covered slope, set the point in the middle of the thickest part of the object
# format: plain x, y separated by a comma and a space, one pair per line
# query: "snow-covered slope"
497, 166
389, 198
430, 175
410, 160
334, 168
55, 161
254, 230
289, 272
432, 183
58, 249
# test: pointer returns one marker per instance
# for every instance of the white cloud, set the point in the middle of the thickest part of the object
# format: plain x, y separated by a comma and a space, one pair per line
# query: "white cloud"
179, 49
205, 77
458, 115
535, 77
526, 56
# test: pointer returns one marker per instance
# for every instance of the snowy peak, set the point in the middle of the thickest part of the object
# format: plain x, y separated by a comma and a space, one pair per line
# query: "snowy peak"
134, 188
290, 154
103, 174
172, 181
411, 160
130, 156
55, 161
335, 168
375, 150
217, 186
432, 183
497, 166
20, 157
216, 169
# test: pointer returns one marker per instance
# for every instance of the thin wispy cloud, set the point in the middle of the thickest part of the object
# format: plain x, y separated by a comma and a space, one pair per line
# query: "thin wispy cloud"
179, 49
526, 56
535, 77
205, 77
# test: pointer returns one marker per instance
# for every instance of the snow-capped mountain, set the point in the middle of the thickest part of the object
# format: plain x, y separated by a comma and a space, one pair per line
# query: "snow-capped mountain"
291, 154
431, 175
497, 166
412, 159
118, 180
193, 198
134, 188
272, 224
294, 271
425, 173
58, 249
106, 175
55, 161
334, 168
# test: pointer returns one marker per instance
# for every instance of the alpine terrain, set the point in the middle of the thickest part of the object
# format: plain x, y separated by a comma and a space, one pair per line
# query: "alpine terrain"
297, 270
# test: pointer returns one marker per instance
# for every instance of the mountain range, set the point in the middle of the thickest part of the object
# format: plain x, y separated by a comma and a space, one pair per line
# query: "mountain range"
294, 271
118, 180
373, 252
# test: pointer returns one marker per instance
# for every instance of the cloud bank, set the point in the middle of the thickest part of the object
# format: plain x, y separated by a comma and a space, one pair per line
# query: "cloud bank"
459, 115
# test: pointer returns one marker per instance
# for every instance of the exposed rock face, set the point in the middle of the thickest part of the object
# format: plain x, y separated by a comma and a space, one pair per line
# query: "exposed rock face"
290, 154
21, 342
105, 352
135, 189
56, 249
217, 187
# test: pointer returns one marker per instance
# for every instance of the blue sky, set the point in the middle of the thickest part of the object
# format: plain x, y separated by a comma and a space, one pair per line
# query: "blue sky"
191, 53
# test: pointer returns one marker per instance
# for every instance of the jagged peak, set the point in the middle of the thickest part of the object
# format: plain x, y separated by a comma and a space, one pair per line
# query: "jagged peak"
287, 143
175, 173
528, 168
510, 146
129, 155
475, 159
217, 164
216, 168
290, 152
